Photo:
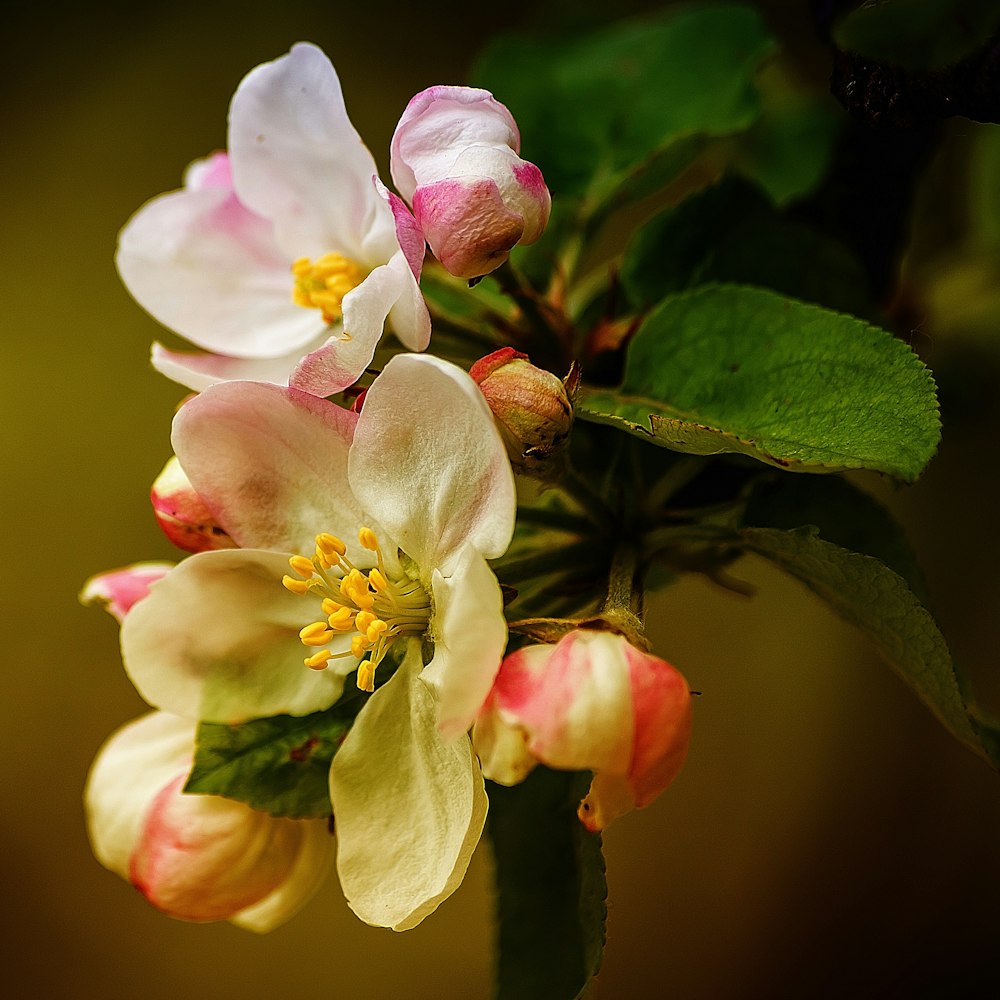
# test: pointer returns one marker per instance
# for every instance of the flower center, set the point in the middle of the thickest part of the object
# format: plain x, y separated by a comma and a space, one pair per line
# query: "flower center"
378, 607
322, 285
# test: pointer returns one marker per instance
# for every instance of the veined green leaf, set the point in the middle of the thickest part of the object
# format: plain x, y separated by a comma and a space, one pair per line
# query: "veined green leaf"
869, 595
736, 369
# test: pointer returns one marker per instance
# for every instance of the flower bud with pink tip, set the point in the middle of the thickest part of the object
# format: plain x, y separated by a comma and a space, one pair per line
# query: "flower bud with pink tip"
195, 857
183, 515
591, 701
455, 159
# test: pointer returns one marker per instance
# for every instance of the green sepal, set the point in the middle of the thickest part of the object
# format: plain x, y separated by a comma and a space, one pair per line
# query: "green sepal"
744, 370
279, 765
551, 887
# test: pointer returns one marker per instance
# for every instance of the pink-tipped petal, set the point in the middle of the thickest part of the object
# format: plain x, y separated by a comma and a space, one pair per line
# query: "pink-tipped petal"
183, 515
118, 590
270, 463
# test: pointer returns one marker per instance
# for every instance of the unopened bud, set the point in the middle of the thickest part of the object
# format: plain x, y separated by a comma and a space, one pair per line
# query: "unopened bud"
532, 407
182, 514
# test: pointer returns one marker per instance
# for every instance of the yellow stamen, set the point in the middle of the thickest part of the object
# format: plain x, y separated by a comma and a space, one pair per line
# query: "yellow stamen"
304, 567
360, 645
374, 630
322, 285
368, 540
342, 620
299, 587
316, 634
366, 676
363, 620
377, 580
330, 544
318, 660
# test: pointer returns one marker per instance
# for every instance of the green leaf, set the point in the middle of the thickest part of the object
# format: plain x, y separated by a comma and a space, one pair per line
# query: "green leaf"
841, 513
869, 595
279, 765
918, 34
731, 233
610, 101
551, 889
744, 370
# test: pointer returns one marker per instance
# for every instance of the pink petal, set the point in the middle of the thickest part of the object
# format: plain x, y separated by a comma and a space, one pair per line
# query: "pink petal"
117, 590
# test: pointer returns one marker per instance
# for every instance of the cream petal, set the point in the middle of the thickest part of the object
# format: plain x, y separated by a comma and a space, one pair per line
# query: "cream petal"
271, 463
298, 161
409, 806
217, 639
428, 463
470, 634
205, 266
409, 319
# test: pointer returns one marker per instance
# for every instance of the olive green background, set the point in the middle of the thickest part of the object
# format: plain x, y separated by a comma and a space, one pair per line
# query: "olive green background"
826, 839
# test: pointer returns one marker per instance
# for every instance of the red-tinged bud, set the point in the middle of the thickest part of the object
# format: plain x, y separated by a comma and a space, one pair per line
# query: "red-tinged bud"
195, 857
117, 590
590, 702
532, 407
184, 517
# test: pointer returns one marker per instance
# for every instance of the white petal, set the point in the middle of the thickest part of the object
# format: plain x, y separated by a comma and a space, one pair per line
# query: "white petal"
205, 266
298, 161
130, 769
271, 464
409, 807
339, 362
428, 462
199, 371
470, 635
217, 639
409, 319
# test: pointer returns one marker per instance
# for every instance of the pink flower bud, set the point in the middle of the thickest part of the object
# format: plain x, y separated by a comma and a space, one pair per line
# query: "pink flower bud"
195, 857
455, 159
531, 406
590, 702
184, 517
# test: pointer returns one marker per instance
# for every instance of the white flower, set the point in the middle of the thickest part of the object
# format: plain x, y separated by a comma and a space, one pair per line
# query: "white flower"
422, 480
284, 258
195, 857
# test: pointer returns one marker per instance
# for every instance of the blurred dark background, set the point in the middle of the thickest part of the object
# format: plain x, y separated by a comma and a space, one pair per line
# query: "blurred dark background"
827, 838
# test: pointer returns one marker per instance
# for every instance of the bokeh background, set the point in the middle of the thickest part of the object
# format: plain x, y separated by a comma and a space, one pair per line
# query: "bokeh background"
827, 838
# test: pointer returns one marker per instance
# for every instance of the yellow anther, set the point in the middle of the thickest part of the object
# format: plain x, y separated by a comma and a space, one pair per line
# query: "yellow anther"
316, 634
364, 619
304, 567
374, 630
377, 580
330, 607
368, 540
330, 545
322, 285
366, 676
318, 660
360, 645
295, 586
342, 620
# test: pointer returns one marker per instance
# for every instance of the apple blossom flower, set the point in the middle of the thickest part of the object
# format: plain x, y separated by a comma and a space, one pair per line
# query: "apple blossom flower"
454, 159
401, 505
590, 702
283, 258
195, 857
